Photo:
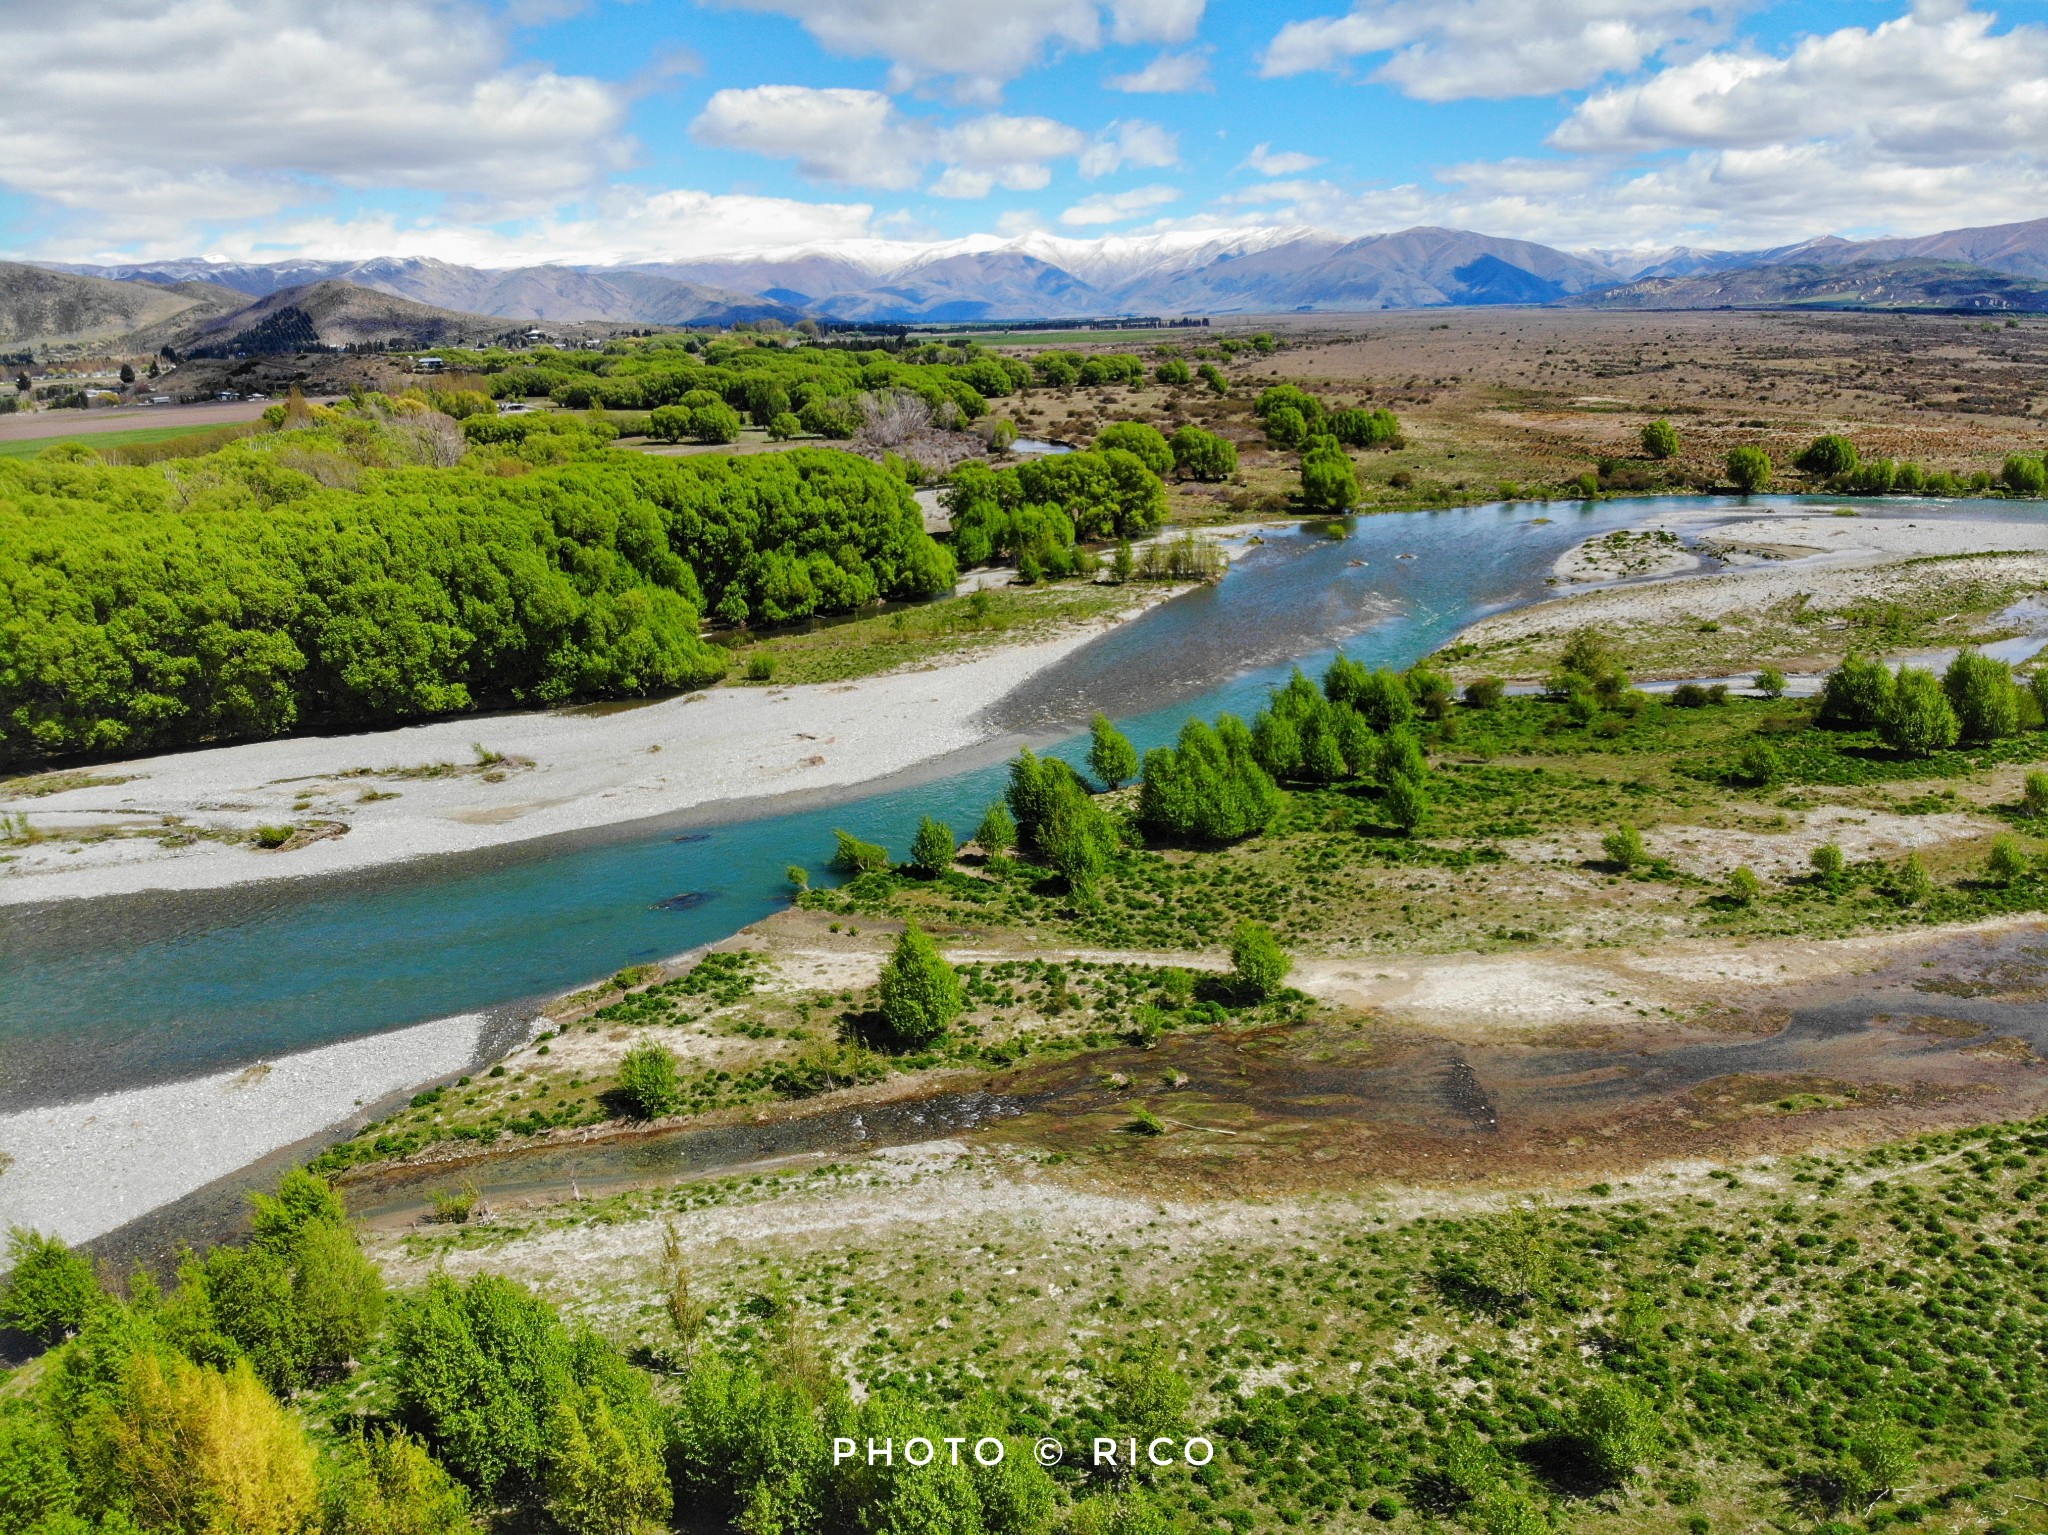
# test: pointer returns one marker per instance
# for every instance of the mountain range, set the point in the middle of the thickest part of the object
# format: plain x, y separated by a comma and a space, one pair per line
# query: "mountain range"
1035, 276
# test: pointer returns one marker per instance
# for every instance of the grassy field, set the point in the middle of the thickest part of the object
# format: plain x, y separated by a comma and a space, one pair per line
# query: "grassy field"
837, 651
142, 436
1696, 1351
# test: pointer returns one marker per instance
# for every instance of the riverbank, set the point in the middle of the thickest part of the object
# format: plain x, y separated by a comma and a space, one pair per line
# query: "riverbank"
1696, 593
82, 1169
197, 820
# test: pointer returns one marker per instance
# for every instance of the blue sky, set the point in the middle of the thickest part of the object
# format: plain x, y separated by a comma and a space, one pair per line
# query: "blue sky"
504, 131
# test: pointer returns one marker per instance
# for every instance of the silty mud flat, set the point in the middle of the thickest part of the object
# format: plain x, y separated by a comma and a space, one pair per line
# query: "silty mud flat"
1353, 1103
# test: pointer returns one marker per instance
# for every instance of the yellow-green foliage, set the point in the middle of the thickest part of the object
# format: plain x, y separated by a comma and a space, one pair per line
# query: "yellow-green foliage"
325, 572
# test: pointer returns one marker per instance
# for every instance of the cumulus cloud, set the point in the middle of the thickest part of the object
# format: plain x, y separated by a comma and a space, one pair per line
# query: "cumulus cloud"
1167, 74
855, 138
1268, 162
1155, 21
156, 113
1489, 48
621, 227
1115, 207
1133, 142
859, 138
979, 45
1011, 152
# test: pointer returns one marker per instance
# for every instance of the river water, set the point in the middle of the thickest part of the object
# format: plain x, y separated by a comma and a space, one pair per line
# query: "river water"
126, 991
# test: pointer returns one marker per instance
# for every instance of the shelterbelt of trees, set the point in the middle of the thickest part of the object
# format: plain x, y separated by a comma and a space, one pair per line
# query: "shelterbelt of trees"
820, 385
377, 562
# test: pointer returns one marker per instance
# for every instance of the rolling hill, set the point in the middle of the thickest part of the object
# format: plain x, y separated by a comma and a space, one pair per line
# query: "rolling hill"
1944, 285
40, 307
333, 314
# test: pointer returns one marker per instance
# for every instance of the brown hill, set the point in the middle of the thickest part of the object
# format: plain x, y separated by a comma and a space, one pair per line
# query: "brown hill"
41, 308
336, 314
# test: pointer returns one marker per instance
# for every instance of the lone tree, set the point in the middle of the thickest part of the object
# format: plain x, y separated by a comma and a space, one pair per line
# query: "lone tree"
1828, 456
1660, 439
650, 1081
1984, 696
1111, 757
920, 992
997, 832
50, 1290
1328, 482
1257, 962
932, 849
1917, 720
1616, 1430
1749, 469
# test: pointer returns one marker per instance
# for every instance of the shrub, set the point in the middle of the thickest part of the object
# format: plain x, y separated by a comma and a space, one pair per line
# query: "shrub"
1910, 882
783, 426
1917, 720
1258, 965
650, 1081
920, 992
1624, 847
1111, 757
1757, 764
1855, 694
1136, 437
2034, 798
2007, 861
1212, 375
1209, 786
273, 836
387, 1484
1406, 803
932, 849
1770, 682
1381, 697
1749, 469
1431, 691
997, 832
1203, 455
1828, 456
853, 856
1172, 372
1329, 483
1660, 439
1743, 886
50, 1290
1364, 428
1484, 692
2025, 476
1983, 695
761, 666
1828, 864
799, 878
1615, 1428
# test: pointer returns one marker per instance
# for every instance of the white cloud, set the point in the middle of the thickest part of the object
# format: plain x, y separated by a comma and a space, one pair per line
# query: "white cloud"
620, 228
859, 138
1133, 142
855, 138
1929, 87
1010, 152
1155, 21
979, 45
1167, 74
158, 113
1446, 50
1115, 207
1268, 162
